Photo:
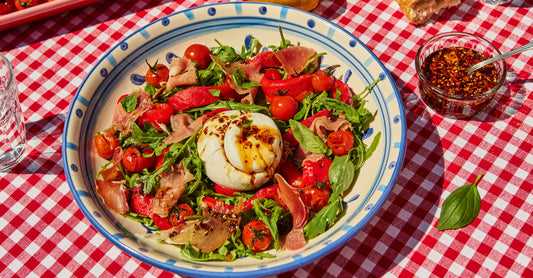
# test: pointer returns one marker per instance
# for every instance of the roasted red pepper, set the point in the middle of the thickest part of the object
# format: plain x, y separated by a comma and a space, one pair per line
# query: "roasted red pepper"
297, 87
270, 192
160, 113
316, 172
200, 96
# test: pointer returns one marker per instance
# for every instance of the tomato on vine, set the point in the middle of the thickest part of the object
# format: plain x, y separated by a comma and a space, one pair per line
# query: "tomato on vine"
322, 81
283, 107
6, 6
200, 54
156, 74
257, 235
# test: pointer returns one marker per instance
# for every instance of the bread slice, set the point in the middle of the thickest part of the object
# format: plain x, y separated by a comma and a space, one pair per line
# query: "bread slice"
420, 11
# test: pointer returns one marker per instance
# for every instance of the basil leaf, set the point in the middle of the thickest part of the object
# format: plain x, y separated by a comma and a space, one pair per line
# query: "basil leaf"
129, 102
341, 174
461, 207
307, 138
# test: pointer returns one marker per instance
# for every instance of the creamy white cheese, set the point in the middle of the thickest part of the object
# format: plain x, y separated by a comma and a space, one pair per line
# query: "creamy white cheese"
241, 150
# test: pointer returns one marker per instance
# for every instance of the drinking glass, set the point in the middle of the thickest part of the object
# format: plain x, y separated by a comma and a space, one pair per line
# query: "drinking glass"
496, 2
12, 129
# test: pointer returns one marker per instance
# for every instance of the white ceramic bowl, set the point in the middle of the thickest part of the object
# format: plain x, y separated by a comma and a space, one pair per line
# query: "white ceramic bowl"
232, 24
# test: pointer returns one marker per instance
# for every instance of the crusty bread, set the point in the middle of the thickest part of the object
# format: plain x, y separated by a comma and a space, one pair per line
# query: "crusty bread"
420, 11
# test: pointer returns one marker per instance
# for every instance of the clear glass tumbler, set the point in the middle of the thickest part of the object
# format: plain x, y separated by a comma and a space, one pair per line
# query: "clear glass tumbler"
12, 129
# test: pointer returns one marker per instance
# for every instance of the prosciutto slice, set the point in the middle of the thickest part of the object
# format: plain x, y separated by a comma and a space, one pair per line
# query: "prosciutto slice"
321, 126
210, 232
171, 187
114, 194
182, 71
295, 239
294, 59
252, 72
122, 120
183, 126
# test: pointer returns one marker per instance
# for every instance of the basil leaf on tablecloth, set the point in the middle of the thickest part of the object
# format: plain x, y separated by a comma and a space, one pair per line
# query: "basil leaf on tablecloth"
461, 207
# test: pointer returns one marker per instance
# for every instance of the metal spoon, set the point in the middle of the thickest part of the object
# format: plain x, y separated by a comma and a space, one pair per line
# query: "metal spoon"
499, 57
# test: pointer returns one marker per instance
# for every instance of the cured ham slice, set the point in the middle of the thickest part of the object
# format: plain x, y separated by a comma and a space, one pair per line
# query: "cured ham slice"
321, 126
294, 59
122, 120
183, 126
211, 232
295, 239
182, 71
171, 187
114, 195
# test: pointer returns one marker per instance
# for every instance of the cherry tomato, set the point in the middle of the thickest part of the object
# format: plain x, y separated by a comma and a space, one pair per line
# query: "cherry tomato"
24, 4
316, 198
199, 53
225, 190
340, 142
183, 210
134, 161
105, 144
160, 113
156, 74
6, 6
257, 235
322, 81
273, 74
283, 107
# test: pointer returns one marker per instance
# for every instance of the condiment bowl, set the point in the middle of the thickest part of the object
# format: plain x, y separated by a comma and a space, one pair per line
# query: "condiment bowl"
444, 85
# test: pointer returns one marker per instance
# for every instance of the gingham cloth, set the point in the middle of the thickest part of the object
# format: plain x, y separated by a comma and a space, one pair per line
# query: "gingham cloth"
45, 234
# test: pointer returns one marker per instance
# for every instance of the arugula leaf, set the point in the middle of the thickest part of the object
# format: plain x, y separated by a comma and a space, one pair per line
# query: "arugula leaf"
240, 79
270, 221
215, 92
225, 53
307, 138
461, 207
324, 219
129, 102
151, 137
283, 44
252, 51
229, 104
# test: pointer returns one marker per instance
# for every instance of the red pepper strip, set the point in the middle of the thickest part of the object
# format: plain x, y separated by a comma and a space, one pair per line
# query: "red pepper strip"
346, 92
265, 59
315, 172
289, 136
215, 204
142, 204
225, 190
297, 87
199, 96
291, 174
270, 192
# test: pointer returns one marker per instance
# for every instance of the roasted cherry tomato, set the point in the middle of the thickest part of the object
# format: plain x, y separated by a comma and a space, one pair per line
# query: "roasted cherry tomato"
200, 54
156, 74
105, 144
283, 107
273, 74
316, 198
340, 142
183, 210
160, 113
24, 4
257, 235
322, 81
316, 172
6, 6
138, 157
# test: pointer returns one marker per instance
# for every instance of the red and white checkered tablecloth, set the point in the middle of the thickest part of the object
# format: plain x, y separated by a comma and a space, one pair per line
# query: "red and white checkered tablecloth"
45, 234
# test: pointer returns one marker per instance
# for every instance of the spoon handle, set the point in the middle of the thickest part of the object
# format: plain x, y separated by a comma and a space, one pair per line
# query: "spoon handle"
499, 57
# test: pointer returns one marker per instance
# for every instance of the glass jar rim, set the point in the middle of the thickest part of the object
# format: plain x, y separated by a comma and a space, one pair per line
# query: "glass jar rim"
421, 75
